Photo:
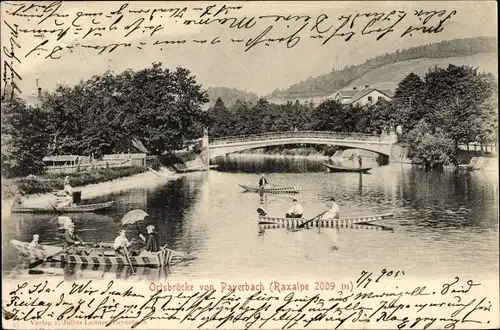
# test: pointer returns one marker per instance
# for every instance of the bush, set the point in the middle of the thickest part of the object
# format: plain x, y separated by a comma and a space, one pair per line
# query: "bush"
431, 148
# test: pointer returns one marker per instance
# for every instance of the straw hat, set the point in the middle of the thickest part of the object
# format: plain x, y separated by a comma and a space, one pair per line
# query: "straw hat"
66, 221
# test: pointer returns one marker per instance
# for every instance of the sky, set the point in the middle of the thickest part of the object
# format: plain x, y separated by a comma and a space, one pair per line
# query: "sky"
260, 70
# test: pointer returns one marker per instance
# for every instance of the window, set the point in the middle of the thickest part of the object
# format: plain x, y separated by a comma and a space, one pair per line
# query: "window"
370, 99
380, 98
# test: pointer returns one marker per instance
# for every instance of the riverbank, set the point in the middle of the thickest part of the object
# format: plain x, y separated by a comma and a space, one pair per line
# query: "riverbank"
147, 178
310, 153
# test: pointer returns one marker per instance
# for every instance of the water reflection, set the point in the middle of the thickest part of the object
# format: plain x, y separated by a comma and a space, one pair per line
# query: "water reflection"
437, 216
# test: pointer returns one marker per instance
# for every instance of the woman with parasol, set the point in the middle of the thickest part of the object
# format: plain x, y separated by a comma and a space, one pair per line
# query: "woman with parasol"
136, 219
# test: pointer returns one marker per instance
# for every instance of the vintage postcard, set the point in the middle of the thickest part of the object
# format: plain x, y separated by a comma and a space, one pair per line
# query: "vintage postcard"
250, 165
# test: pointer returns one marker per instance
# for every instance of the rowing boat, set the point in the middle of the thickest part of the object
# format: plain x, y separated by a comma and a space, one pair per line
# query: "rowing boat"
272, 190
333, 168
98, 271
359, 222
100, 255
67, 209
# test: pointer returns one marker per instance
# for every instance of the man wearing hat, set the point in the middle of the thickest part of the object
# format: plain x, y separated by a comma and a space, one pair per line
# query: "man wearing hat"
332, 212
70, 238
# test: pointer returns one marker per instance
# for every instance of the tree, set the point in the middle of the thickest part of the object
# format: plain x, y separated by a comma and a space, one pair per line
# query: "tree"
328, 116
25, 138
406, 103
456, 100
159, 107
430, 147
221, 120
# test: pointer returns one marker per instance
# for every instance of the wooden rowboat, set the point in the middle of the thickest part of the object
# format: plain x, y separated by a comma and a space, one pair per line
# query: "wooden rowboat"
68, 209
95, 256
359, 222
56, 268
333, 168
272, 190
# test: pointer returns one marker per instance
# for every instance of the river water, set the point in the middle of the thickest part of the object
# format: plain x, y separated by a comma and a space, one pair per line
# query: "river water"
445, 223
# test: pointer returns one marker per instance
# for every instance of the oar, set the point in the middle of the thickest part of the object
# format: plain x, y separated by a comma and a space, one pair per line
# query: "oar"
302, 225
41, 261
56, 208
129, 262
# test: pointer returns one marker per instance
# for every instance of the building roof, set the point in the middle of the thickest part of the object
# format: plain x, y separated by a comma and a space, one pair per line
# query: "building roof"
123, 156
365, 92
349, 93
60, 158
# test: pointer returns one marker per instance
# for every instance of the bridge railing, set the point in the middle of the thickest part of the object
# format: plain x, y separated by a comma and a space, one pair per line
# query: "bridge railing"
298, 134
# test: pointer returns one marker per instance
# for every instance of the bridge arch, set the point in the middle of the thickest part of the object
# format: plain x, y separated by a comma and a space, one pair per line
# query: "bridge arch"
374, 143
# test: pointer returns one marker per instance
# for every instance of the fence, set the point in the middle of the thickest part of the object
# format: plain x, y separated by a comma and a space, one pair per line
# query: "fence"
86, 166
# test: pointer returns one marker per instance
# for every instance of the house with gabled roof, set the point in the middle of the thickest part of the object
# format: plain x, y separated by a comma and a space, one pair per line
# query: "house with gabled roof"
361, 97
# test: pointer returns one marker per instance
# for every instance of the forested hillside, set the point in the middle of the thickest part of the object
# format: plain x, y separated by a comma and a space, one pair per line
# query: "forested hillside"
336, 79
230, 95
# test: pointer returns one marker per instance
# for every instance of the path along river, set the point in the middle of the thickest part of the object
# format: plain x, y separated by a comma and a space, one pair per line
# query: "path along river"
445, 222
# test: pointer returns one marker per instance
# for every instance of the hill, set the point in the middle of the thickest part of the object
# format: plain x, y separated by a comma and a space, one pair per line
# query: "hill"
416, 59
230, 95
388, 76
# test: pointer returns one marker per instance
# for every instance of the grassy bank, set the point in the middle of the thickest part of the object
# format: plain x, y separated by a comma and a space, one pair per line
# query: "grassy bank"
52, 182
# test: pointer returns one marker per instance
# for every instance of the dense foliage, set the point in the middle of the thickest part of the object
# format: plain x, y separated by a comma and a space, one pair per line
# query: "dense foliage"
445, 108
336, 79
25, 137
162, 108
159, 107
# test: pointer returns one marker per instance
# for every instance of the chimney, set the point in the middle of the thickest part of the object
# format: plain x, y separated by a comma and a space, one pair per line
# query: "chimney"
366, 86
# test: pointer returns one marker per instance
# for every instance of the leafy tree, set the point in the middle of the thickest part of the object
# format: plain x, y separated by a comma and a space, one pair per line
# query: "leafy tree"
455, 98
328, 116
159, 107
406, 104
430, 147
221, 120
25, 138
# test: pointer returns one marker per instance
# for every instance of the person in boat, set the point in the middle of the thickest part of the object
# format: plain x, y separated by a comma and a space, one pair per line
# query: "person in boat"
35, 242
262, 212
18, 200
121, 243
263, 181
360, 161
152, 241
295, 211
333, 212
67, 187
71, 240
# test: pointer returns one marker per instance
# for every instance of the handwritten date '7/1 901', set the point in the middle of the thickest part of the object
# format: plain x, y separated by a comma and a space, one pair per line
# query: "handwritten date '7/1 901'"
380, 300
60, 32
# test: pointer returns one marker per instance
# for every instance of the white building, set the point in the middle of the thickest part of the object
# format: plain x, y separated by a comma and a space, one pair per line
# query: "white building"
361, 97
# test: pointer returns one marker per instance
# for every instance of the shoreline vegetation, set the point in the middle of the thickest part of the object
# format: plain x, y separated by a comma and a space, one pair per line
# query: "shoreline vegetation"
45, 183
41, 194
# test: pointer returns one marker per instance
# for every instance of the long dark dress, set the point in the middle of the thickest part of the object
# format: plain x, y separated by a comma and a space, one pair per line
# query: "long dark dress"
152, 243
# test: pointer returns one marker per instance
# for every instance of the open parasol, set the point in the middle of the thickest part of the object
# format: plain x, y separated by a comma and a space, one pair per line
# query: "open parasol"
133, 216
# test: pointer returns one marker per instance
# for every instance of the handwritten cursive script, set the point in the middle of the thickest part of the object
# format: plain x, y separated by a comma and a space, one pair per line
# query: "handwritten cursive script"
380, 297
